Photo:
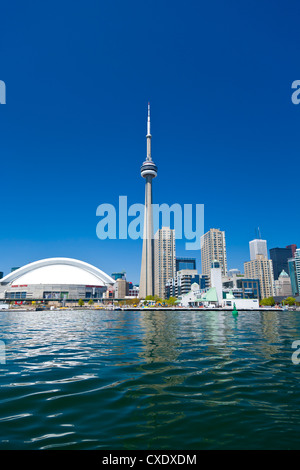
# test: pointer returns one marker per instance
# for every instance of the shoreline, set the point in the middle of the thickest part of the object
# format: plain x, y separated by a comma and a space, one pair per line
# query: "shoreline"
152, 309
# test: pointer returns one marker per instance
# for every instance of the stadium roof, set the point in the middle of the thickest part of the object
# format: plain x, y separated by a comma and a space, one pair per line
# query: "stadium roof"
58, 271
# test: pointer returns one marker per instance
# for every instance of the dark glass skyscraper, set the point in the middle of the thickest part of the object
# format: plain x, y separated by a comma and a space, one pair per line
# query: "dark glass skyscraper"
280, 257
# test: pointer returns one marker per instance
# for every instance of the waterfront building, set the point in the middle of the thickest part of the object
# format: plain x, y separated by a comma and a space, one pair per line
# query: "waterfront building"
164, 259
197, 298
185, 263
213, 247
55, 279
261, 268
148, 171
241, 287
279, 257
293, 277
283, 286
258, 247
182, 282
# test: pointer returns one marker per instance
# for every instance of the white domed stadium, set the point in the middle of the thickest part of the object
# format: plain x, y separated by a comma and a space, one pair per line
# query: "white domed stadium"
55, 279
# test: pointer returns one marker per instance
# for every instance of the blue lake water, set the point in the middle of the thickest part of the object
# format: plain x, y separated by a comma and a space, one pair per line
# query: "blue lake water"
149, 380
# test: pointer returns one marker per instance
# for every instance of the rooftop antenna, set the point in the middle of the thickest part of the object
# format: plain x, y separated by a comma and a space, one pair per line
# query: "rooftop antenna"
259, 234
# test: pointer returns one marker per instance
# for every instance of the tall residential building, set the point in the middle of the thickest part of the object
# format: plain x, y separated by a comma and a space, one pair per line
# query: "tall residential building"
297, 263
280, 257
261, 268
148, 171
213, 247
258, 247
164, 259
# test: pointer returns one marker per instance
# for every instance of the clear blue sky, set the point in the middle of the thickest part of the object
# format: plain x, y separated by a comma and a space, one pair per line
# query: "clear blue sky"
225, 132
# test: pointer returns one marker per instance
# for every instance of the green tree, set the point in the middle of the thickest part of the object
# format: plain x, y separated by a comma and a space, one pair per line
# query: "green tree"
289, 301
171, 301
90, 302
81, 303
268, 302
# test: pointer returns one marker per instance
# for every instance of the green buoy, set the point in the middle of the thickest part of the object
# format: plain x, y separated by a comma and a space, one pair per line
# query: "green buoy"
234, 311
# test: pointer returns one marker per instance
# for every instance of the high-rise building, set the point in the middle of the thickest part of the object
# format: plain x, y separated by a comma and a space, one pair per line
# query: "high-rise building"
297, 265
279, 257
185, 263
148, 171
283, 285
213, 247
164, 259
258, 247
293, 277
261, 268
293, 248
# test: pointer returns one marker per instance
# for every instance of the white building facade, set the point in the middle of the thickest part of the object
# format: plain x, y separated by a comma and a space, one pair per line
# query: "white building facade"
258, 247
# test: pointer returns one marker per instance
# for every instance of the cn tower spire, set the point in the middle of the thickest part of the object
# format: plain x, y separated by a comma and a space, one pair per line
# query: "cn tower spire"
149, 158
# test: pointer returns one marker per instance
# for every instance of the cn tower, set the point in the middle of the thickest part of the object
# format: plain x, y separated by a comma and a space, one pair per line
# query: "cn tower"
148, 171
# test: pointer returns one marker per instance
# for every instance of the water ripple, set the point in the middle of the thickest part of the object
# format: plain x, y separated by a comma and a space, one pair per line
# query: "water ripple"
145, 380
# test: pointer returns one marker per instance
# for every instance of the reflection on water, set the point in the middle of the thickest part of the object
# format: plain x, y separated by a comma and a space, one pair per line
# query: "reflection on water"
149, 380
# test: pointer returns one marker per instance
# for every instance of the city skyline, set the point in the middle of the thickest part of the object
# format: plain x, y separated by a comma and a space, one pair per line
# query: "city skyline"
72, 128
